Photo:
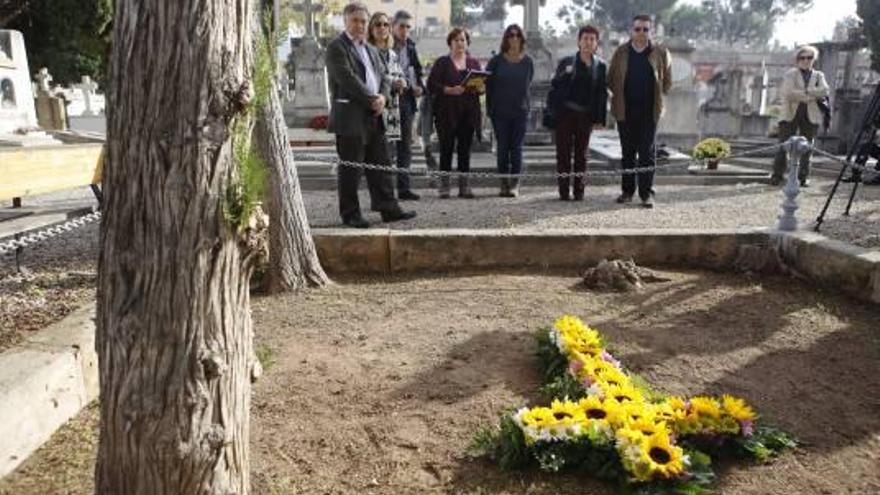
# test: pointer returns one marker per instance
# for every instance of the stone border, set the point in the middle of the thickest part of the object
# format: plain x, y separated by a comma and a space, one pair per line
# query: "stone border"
47, 380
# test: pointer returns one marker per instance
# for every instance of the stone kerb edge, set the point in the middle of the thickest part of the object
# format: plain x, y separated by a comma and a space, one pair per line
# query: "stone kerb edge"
851, 269
44, 382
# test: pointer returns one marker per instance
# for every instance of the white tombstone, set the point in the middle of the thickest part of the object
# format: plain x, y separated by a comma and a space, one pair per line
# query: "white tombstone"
17, 109
88, 87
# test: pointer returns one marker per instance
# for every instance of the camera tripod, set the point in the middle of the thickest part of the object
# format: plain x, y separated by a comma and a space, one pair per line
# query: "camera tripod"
863, 147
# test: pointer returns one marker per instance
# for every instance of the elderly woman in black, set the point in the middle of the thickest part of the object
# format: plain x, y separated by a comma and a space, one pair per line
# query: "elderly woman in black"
456, 108
581, 96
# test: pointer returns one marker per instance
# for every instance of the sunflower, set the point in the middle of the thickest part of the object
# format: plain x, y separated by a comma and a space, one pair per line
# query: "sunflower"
660, 458
596, 409
648, 427
537, 417
633, 411
737, 408
566, 412
608, 374
621, 393
705, 407
673, 408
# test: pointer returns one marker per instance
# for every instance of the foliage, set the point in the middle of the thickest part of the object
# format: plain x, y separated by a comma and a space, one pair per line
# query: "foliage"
469, 13
265, 355
869, 12
615, 15
711, 149
620, 429
248, 187
69, 37
690, 21
291, 16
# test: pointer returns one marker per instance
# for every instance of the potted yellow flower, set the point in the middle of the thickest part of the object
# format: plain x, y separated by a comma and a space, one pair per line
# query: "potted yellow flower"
712, 150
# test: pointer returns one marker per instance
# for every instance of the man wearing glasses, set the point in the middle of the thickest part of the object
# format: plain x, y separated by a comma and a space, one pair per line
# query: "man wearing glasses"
801, 89
639, 75
408, 59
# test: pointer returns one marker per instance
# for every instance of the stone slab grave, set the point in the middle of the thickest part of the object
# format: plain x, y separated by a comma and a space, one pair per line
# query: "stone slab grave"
18, 114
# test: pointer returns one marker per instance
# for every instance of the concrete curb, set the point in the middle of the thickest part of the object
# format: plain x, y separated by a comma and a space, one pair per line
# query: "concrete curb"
45, 382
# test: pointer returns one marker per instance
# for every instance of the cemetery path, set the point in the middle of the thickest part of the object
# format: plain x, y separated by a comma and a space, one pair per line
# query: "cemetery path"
678, 207
377, 386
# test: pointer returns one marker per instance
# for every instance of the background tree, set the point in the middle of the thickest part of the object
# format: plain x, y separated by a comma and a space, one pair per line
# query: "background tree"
615, 15
293, 259
70, 37
690, 21
469, 13
869, 12
179, 238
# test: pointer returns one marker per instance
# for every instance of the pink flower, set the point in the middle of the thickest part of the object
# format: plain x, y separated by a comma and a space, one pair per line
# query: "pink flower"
588, 381
608, 358
747, 428
574, 366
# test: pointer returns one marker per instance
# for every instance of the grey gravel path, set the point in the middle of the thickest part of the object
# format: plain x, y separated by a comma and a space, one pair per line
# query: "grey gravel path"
693, 207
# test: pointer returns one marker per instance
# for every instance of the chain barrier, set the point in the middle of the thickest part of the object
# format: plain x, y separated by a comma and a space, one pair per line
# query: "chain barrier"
24, 241
854, 166
496, 175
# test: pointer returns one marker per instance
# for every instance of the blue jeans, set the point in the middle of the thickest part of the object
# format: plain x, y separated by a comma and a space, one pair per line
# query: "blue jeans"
510, 133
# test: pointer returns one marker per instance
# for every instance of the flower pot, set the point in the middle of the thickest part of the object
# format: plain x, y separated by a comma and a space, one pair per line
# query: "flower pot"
712, 163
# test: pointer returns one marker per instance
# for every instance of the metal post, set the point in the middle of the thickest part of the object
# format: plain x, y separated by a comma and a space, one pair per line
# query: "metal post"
796, 147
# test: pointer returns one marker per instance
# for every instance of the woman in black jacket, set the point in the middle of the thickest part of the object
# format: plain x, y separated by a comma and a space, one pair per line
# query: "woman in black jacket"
579, 105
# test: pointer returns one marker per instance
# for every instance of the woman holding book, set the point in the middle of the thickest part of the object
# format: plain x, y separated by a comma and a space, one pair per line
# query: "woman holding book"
579, 97
379, 35
507, 102
455, 84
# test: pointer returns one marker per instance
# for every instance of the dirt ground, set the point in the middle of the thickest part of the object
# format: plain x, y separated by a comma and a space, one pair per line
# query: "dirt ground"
377, 386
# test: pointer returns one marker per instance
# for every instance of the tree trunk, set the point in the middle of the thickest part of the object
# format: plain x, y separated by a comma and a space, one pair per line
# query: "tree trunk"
293, 261
173, 321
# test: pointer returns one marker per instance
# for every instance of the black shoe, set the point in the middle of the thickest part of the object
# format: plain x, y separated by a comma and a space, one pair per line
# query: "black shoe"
775, 181
805, 182
648, 202
393, 216
578, 196
624, 198
408, 196
357, 222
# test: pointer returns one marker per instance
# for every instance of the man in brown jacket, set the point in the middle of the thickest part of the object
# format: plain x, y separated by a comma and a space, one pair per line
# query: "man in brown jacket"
639, 75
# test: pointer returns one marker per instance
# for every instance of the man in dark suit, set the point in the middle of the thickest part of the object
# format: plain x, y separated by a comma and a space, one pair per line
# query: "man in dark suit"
359, 92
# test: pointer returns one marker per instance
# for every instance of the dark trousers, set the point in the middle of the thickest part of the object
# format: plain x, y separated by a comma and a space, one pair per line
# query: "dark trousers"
457, 140
572, 135
800, 125
637, 134
510, 133
370, 149
404, 146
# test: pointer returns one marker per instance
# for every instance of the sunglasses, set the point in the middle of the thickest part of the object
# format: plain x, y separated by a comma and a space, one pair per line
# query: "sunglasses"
806, 57
642, 29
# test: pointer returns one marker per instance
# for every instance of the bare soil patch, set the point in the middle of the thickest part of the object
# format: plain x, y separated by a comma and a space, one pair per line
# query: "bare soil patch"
377, 385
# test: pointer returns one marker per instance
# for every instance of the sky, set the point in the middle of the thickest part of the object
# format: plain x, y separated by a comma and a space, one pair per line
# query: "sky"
816, 24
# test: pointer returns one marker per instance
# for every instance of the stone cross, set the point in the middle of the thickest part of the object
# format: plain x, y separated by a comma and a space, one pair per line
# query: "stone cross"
88, 87
309, 9
44, 82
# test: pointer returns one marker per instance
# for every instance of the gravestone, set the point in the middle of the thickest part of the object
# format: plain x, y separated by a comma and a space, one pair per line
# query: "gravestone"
310, 97
18, 117
16, 99
88, 88
678, 127
51, 114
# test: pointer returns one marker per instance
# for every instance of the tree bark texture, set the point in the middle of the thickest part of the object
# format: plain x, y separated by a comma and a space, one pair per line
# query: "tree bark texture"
173, 322
293, 260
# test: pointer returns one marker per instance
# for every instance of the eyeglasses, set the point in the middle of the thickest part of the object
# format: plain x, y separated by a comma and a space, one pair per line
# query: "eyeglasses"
805, 57
642, 29
382, 24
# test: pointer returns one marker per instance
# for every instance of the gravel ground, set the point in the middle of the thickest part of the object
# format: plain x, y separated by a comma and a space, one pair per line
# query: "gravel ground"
693, 207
